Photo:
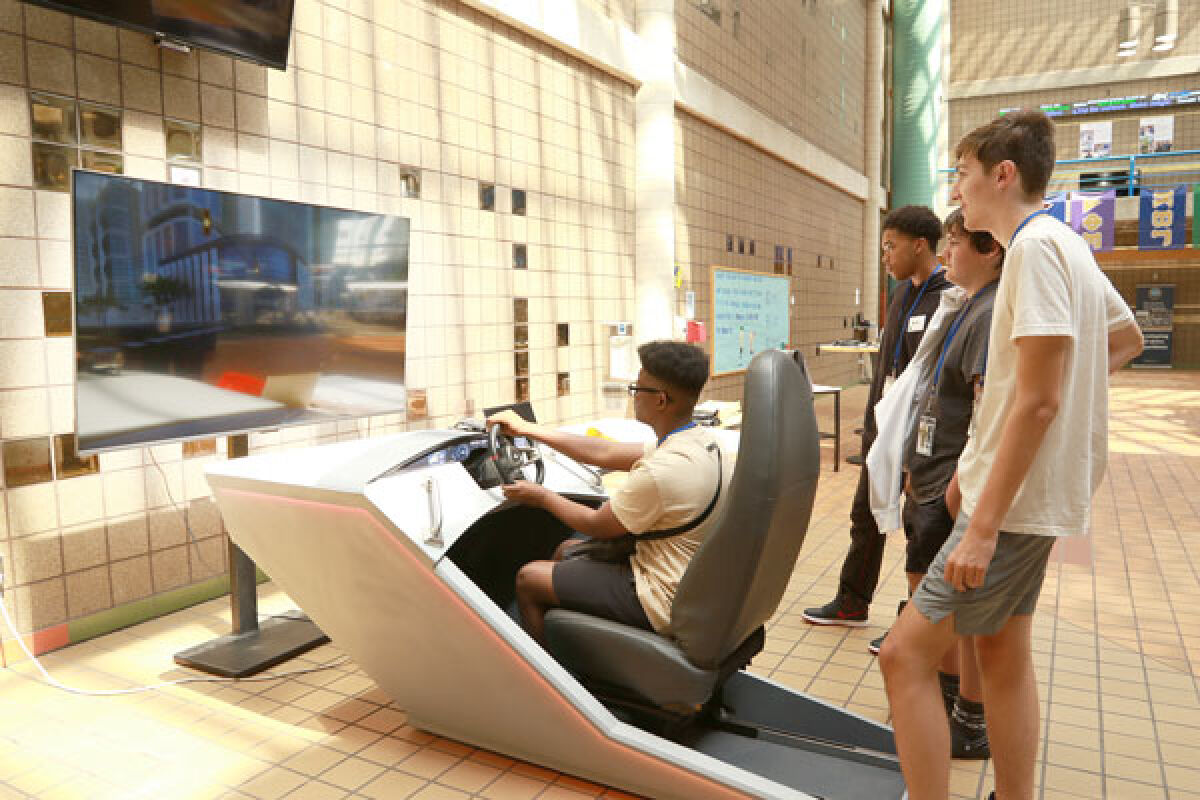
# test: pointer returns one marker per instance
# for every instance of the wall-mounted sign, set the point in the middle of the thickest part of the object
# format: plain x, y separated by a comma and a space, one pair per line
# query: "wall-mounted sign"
1162, 220
750, 314
1095, 139
1156, 134
1155, 316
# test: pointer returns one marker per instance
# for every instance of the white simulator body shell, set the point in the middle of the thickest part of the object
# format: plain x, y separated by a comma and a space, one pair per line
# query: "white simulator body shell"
357, 534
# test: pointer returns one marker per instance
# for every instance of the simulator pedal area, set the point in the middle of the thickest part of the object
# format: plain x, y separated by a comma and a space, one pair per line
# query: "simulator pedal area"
404, 551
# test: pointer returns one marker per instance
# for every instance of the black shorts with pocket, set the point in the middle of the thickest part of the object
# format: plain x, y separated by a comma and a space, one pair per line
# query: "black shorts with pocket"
600, 589
927, 526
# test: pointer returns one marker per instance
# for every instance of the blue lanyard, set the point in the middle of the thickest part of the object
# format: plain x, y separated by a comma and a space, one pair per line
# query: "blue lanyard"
677, 430
904, 326
937, 374
1025, 222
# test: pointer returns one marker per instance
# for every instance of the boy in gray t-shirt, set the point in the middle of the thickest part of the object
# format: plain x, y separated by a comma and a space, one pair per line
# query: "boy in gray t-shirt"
1058, 329
944, 404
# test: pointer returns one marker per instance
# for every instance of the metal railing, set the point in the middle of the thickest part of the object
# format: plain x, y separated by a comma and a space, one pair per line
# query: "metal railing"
1126, 174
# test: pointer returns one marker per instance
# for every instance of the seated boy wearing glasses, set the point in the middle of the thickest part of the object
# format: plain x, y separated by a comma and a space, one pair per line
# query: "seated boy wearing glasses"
671, 482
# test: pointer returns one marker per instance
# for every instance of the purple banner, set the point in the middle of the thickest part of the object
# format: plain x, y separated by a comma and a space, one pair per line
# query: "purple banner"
1093, 216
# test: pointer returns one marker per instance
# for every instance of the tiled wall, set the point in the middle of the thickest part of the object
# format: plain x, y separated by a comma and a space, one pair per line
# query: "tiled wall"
799, 61
726, 189
374, 88
991, 40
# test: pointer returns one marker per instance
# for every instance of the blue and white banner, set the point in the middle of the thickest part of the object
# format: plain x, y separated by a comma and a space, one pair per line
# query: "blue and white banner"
1056, 205
1163, 218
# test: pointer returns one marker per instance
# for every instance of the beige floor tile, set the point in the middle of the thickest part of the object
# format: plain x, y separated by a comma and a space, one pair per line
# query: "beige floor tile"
316, 790
1183, 778
1129, 790
352, 773
469, 776
513, 787
392, 784
428, 763
314, 760
273, 783
435, 792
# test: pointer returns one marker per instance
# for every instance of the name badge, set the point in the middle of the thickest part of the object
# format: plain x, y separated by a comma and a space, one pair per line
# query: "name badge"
888, 380
925, 428
916, 324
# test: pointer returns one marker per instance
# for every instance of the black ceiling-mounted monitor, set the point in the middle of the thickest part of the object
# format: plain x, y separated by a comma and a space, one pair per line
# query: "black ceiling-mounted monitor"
200, 312
256, 30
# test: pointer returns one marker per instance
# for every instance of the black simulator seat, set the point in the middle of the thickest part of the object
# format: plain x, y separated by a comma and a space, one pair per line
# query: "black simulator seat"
737, 578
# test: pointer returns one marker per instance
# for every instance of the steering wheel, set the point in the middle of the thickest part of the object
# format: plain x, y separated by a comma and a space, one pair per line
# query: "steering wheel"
510, 458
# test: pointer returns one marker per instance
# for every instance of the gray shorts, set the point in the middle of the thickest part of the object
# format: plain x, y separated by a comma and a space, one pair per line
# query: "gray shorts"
1010, 587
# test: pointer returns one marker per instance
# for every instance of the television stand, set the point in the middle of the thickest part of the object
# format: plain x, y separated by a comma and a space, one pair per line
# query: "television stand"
251, 647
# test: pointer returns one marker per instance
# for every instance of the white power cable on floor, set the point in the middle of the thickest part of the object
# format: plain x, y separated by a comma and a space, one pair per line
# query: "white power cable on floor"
52, 681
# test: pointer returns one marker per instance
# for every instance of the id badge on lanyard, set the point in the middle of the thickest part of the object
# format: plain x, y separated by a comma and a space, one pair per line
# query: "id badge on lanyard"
926, 427
888, 380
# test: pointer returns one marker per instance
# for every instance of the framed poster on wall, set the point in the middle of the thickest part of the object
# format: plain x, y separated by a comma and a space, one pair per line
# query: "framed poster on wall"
750, 314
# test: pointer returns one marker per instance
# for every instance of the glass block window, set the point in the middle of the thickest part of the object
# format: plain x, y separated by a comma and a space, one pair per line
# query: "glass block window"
68, 134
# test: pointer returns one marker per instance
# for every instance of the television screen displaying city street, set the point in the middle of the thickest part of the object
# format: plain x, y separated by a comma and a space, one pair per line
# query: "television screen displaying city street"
200, 312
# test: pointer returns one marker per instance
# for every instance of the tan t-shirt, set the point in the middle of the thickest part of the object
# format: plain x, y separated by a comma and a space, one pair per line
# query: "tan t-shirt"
669, 486
1051, 286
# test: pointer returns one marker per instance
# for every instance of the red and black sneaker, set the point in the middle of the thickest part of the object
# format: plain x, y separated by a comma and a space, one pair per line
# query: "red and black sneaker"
836, 613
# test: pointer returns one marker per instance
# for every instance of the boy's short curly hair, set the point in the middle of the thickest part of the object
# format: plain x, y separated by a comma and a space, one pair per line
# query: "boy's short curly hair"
919, 222
682, 365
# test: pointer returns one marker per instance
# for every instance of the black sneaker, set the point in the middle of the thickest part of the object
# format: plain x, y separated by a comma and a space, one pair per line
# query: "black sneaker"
968, 744
876, 644
834, 613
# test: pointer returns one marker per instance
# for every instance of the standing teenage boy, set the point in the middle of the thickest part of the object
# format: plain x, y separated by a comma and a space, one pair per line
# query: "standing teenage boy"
909, 243
944, 410
1029, 469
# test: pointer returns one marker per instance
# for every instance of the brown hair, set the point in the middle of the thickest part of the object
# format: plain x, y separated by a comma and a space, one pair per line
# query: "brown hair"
982, 242
1025, 138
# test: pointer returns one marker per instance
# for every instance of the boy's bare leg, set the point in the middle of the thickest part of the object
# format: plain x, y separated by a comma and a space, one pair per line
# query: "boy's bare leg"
909, 659
535, 596
1011, 699
970, 685
950, 661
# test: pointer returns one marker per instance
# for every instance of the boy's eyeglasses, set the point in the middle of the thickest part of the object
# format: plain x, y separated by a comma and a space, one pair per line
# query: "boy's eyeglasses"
633, 389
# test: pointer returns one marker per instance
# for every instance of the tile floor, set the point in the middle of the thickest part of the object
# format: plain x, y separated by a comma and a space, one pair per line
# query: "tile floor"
1117, 658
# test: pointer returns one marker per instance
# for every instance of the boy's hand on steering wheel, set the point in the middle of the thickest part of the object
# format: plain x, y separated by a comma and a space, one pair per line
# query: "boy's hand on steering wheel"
511, 423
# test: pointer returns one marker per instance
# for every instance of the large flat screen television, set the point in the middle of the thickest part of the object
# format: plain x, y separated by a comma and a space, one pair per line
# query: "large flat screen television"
200, 312
257, 30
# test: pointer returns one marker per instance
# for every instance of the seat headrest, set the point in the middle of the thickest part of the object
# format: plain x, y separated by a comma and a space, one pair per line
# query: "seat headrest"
738, 576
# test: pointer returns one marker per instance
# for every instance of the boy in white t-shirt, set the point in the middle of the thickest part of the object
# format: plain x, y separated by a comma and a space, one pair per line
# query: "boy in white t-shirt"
1031, 464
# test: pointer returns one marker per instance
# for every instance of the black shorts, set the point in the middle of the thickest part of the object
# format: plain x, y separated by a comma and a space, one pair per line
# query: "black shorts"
600, 589
927, 526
